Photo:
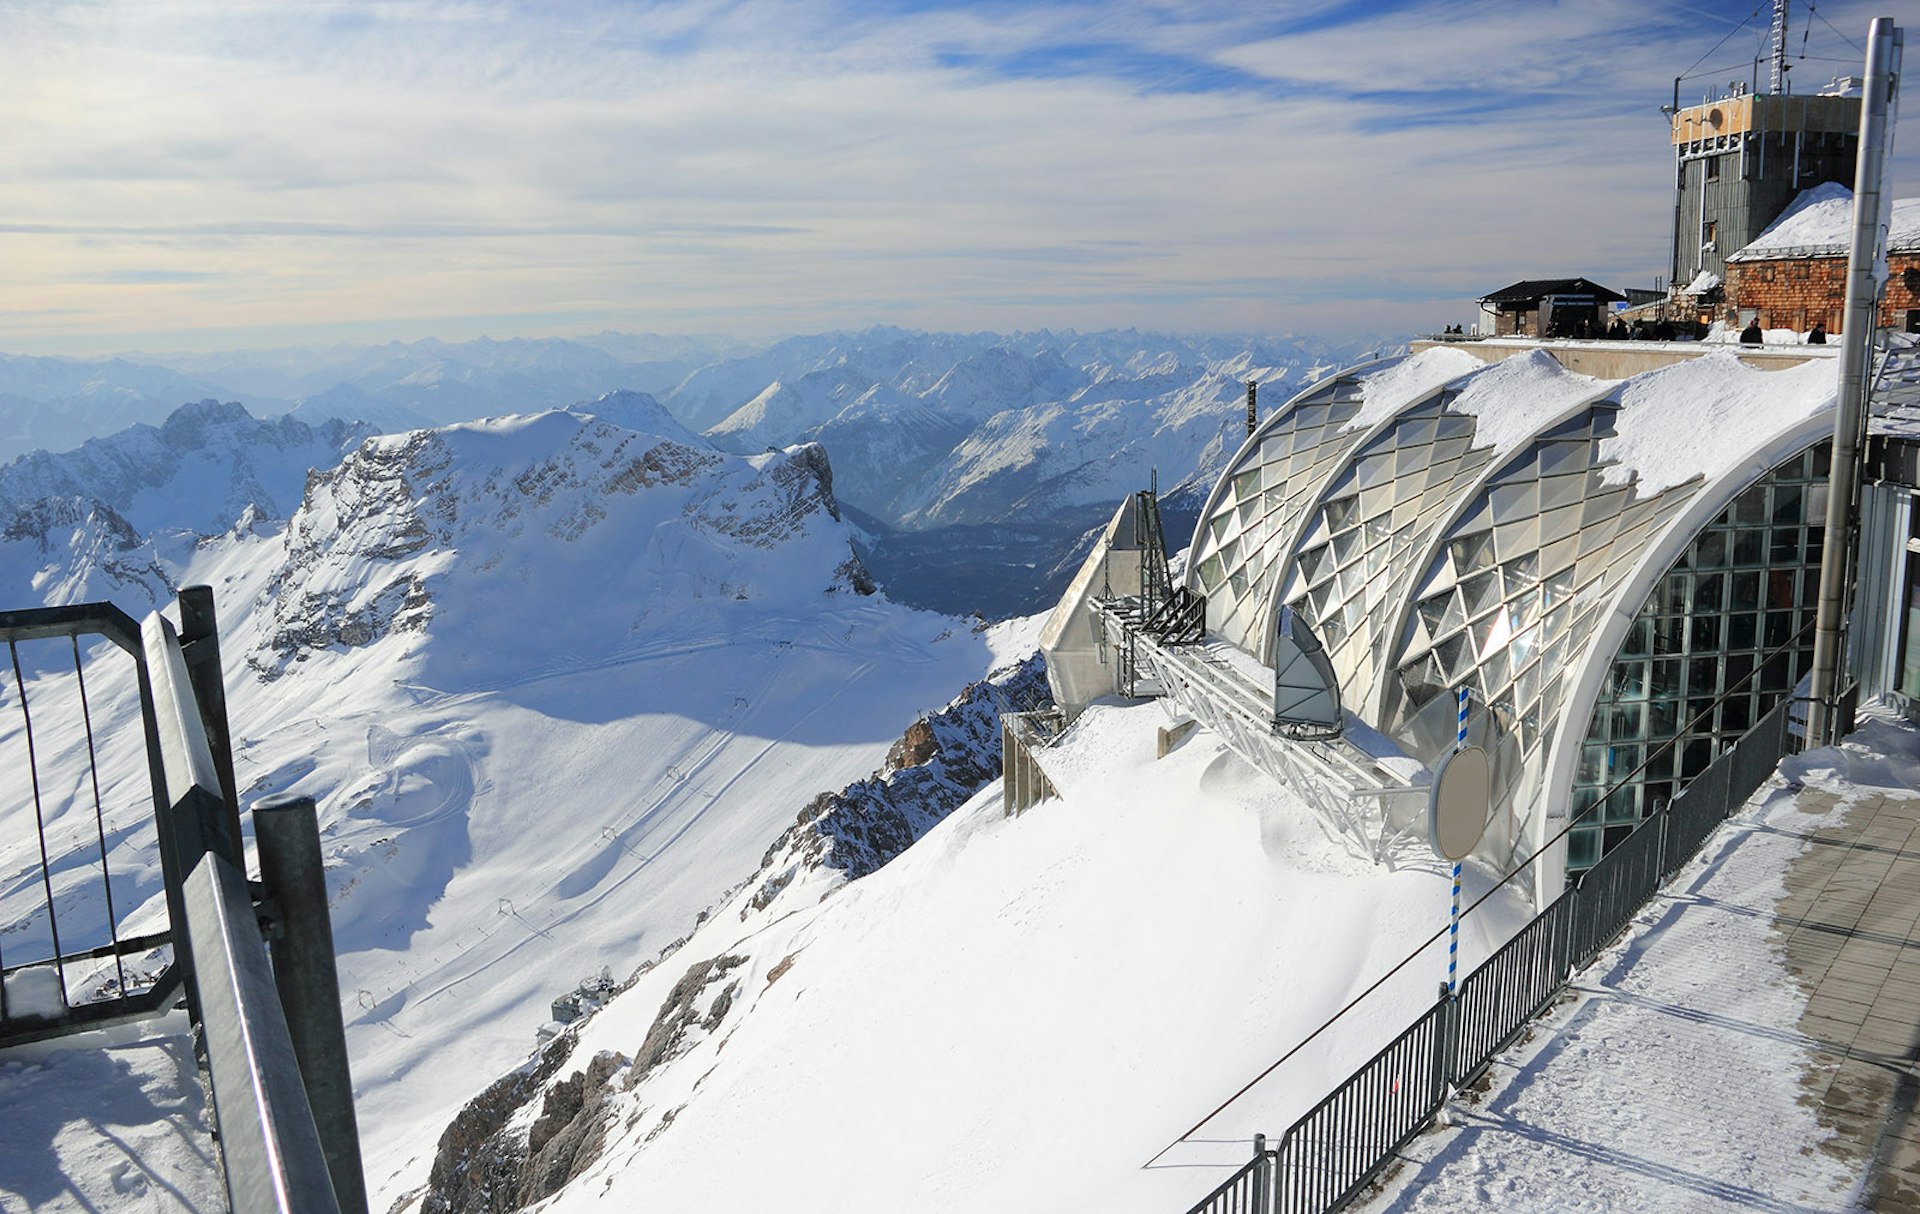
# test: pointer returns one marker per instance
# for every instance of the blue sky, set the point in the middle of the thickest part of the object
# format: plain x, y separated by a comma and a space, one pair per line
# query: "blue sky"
221, 174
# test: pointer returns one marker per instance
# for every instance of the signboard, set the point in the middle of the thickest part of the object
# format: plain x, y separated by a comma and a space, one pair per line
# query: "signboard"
1459, 803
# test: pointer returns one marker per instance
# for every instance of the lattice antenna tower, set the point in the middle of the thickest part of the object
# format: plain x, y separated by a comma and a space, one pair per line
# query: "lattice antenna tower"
1777, 73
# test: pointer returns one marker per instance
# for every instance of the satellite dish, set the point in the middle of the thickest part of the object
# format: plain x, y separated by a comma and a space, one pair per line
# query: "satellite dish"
1460, 803
1306, 696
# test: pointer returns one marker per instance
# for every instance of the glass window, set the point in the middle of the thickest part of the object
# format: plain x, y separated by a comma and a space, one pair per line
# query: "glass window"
1769, 540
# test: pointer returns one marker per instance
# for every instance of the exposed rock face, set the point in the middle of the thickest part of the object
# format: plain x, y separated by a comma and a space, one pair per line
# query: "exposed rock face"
934, 767
75, 550
485, 1165
680, 1013
571, 1130
478, 1165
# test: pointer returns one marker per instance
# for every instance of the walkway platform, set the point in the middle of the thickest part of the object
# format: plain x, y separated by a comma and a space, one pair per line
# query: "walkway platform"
1751, 1044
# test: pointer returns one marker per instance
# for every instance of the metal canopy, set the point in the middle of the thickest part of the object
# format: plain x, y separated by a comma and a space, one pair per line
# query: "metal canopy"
1306, 695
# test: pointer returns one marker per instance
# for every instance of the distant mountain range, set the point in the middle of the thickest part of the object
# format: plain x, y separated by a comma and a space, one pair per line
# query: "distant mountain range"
974, 463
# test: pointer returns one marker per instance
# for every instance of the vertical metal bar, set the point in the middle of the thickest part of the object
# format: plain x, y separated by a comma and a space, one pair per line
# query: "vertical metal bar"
99, 821
200, 646
40, 823
287, 833
270, 1149
172, 877
1453, 933
1860, 319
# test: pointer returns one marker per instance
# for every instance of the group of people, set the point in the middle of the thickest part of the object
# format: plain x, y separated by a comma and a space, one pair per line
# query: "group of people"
1652, 330
1594, 329
1661, 329
1752, 335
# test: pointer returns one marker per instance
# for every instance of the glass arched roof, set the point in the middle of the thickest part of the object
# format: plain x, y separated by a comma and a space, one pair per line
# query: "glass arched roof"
1433, 546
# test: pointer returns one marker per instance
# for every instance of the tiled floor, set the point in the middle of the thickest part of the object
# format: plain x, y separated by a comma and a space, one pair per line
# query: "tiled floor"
1848, 920
1682, 1074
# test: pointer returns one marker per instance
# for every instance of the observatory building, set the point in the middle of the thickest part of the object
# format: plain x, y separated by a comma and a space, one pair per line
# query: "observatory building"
1602, 565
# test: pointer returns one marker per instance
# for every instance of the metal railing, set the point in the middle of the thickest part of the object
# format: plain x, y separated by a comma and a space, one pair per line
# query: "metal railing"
1337, 1148
271, 1035
1248, 1191
63, 972
1023, 782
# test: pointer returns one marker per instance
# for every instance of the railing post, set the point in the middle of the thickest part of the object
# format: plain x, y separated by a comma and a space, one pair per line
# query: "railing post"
1660, 848
1443, 1075
200, 645
1262, 1187
286, 830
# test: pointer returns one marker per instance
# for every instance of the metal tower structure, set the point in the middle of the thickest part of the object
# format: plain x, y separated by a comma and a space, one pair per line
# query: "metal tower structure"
1777, 74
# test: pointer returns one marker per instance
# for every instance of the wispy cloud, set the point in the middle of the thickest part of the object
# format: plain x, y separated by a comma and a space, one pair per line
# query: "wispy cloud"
767, 165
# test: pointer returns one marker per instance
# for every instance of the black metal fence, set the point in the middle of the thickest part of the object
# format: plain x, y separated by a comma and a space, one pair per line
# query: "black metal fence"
1334, 1150
1248, 1191
274, 1045
67, 958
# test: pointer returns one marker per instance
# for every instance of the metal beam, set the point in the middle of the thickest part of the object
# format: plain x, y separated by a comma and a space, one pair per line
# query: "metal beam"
286, 830
269, 1145
77, 619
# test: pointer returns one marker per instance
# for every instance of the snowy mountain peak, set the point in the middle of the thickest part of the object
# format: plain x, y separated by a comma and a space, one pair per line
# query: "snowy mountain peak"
200, 468
75, 550
562, 531
639, 411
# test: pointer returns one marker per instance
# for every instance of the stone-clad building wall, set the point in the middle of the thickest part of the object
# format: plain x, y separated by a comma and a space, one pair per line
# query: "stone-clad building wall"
1793, 292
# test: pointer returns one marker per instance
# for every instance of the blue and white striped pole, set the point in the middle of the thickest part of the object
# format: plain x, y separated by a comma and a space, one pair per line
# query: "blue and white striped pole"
1453, 928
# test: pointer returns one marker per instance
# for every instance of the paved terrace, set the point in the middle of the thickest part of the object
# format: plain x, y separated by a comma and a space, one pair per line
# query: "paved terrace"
1752, 1043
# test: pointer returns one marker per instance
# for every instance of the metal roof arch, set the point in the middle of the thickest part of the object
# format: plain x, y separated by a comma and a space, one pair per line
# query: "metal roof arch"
1395, 635
1261, 433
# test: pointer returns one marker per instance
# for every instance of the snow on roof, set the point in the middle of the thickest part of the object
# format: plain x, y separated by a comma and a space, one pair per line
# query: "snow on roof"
1516, 397
1701, 416
1539, 288
1819, 223
1390, 389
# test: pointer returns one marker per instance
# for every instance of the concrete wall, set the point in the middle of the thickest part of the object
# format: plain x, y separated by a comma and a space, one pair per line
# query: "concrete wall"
1079, 668
1620, 359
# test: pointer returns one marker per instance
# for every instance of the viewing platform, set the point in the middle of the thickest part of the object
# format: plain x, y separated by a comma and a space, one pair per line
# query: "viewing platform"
1621, 359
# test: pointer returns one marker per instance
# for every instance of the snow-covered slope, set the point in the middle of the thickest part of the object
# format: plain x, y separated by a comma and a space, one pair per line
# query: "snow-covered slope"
557, 685
1015, 1014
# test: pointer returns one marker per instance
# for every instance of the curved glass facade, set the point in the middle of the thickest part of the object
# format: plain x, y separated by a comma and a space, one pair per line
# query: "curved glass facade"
1426, 560
1745, 588
1245, 534
1519, 580
1360, 544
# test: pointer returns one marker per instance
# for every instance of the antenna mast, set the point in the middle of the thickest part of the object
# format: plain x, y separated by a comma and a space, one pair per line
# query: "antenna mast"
1777, 77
